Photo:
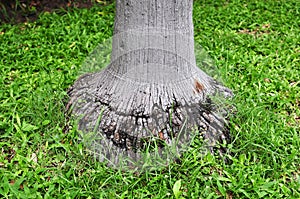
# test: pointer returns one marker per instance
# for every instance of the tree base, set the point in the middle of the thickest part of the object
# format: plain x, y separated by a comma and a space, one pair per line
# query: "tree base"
123, 121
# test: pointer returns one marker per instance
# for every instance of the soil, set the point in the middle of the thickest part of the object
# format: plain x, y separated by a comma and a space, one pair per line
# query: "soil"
20, 11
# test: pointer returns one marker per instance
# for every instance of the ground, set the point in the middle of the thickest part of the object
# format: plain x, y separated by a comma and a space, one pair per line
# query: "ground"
254, 43
19, 11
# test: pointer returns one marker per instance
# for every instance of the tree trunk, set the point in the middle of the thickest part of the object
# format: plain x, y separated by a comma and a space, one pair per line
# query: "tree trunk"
152, 86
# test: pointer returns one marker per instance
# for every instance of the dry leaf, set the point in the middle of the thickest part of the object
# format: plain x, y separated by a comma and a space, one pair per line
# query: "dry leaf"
34, 157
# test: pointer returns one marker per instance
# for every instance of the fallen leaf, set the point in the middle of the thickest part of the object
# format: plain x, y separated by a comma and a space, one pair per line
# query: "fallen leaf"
12, 182
293, 84
266, 25
267, 80
34, 157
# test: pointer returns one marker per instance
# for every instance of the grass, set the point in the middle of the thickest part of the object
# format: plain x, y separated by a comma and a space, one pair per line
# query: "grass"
256, 47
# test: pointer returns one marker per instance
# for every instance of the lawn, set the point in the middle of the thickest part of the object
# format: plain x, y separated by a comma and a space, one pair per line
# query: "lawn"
256, 48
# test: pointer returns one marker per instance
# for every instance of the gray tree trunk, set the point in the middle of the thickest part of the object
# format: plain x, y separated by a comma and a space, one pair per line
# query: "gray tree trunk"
152, 87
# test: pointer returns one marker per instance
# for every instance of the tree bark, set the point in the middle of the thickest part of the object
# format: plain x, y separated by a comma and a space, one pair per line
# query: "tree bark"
152, 86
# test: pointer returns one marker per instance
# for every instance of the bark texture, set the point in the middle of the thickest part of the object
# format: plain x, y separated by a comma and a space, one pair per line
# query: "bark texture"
152, 88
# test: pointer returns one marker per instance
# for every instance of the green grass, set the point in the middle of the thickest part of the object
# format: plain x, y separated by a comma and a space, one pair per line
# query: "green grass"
256, 46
